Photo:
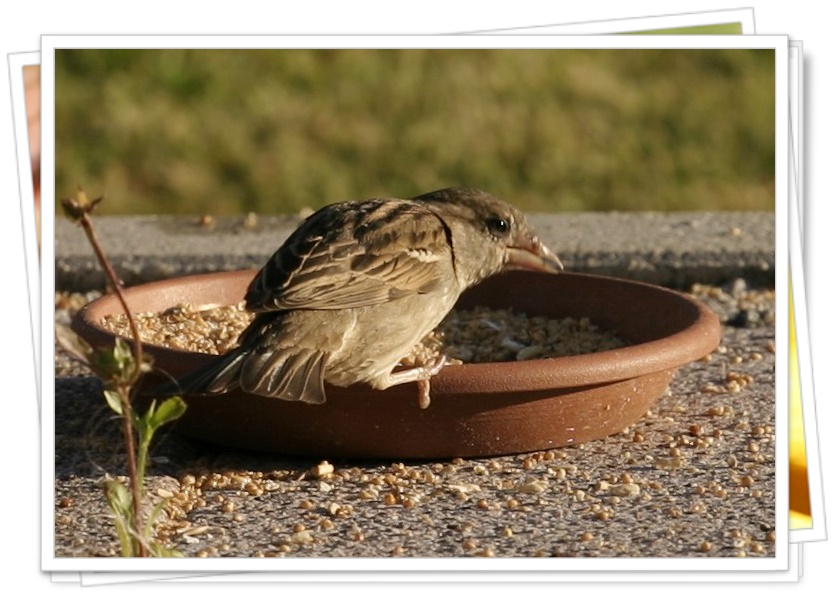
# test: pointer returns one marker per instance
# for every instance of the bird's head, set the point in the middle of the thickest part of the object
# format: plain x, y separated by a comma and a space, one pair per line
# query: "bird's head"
488, 235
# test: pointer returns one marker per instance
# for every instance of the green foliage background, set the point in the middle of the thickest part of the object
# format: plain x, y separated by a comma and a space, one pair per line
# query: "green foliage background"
271, 131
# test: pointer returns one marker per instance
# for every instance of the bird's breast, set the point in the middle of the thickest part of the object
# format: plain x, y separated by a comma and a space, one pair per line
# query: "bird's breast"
374, 339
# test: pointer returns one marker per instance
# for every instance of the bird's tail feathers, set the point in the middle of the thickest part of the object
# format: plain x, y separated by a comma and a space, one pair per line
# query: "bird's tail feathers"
294, 375
289, 374
218, 376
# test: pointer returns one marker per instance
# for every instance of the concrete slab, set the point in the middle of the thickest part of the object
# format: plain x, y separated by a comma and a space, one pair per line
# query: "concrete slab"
674, 249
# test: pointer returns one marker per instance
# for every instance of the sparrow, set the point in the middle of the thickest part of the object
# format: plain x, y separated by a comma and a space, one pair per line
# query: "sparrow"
358, 284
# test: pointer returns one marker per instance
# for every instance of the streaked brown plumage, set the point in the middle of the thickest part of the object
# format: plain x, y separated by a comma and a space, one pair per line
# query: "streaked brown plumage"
357, 284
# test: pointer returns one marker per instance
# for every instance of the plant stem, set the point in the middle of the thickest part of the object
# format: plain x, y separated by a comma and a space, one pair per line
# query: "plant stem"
113, 279
124, 392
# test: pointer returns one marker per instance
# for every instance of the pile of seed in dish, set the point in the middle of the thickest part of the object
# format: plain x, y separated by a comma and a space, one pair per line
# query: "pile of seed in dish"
213, 330
467, 336
491, 335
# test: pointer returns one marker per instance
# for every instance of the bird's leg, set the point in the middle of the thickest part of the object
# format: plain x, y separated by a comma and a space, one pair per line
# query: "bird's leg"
420, 375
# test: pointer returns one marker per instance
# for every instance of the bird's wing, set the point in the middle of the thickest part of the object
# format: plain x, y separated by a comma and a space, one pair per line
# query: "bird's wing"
354, 255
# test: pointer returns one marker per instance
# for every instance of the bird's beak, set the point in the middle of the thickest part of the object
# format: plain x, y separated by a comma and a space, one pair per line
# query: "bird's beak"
533, 256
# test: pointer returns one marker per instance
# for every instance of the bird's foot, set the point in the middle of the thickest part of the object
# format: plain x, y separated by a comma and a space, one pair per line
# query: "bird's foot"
420, 375
423, 394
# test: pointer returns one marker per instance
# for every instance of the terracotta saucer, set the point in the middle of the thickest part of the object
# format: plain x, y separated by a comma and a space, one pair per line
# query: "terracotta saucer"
480, 409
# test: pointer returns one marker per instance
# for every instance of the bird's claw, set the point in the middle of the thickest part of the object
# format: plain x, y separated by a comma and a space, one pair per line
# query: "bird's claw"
420, 375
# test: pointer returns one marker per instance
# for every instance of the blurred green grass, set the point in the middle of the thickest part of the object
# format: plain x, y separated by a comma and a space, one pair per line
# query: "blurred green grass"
719, 29
272, 131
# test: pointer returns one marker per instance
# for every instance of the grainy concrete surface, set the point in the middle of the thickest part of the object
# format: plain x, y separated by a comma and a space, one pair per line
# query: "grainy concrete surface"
694, 477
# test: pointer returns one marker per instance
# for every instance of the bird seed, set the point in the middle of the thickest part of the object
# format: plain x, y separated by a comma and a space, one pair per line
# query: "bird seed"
467, 336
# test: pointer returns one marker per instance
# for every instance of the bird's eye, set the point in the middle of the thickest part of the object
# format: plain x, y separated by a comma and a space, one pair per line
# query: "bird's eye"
499, 227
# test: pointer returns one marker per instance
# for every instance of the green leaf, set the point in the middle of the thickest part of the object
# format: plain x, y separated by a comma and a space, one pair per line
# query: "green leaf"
118, 497
119, 500
125, 362
168, 411
158, 414
112, 364
114, 401
122, 353
143, 423
115, 365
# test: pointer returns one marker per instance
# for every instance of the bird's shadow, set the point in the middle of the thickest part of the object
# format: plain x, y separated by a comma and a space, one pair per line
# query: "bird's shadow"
89, 443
